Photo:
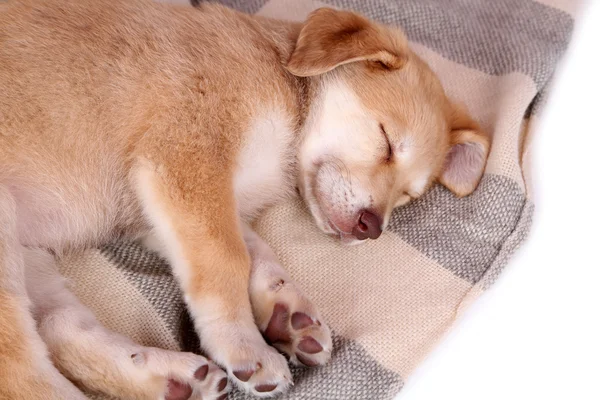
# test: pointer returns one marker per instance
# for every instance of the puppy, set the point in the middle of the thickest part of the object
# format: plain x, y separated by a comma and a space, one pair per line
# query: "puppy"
177, 126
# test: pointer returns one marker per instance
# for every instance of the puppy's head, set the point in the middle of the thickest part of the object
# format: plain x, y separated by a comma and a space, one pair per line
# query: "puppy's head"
380, 129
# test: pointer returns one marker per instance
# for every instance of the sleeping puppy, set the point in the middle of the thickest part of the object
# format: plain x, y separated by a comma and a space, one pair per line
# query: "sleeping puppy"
176, 127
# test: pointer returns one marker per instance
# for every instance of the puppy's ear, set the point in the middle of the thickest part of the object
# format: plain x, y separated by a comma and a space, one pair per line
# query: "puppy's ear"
330, 38
467, 157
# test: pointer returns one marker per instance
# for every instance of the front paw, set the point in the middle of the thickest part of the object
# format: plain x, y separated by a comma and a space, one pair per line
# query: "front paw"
253, 365
290, 321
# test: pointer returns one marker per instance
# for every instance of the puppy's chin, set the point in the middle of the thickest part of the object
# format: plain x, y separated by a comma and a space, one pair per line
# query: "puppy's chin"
349, 240
322, 222
344, 238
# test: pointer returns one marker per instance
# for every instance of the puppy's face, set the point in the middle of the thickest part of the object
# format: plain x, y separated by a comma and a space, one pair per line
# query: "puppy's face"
380, 129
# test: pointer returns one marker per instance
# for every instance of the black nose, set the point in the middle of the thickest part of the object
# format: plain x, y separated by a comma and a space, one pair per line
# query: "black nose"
368, 226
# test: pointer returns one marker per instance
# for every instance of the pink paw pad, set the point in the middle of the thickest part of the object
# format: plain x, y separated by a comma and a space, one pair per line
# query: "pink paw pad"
178, 390
278, 331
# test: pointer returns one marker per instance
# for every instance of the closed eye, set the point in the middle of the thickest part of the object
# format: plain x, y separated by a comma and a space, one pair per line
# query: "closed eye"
390, 151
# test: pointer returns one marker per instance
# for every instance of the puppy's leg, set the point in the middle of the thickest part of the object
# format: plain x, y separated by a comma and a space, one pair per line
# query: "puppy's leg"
105, 361
202, 238
26, 372
282, 311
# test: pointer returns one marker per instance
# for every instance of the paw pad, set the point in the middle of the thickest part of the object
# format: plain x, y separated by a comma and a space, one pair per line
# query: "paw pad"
310, 346
298, 339
306, 361
201, 373
244, 375
265, 388
301, 320
178, 390
222, 384
277, 330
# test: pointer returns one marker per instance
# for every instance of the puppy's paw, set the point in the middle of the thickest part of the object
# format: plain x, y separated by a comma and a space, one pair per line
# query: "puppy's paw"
253, 365
260, 370
290, 321
182, 376
301, 336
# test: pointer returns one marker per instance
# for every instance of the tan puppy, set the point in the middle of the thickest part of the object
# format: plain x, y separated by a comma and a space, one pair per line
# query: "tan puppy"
177, 126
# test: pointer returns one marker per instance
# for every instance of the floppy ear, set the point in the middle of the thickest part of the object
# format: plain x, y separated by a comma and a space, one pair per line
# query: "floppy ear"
467, 157
330, 38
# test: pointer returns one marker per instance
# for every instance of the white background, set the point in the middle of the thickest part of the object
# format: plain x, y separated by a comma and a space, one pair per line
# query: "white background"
536, 333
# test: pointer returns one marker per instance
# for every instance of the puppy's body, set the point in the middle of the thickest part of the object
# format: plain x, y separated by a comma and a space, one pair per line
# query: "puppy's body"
81, 116
129, 118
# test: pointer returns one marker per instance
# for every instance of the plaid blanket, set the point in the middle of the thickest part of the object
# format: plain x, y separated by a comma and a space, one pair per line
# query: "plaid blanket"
390, 300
